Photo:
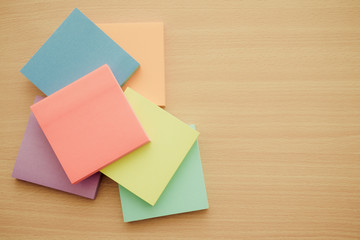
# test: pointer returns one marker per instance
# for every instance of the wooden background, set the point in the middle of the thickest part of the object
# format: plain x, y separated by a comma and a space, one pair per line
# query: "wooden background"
274, 88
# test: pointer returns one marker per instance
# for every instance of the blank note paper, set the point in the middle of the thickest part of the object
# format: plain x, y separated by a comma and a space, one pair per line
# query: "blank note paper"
185, 193
37, 163
146, 171
89, 124
145, 42
76, 48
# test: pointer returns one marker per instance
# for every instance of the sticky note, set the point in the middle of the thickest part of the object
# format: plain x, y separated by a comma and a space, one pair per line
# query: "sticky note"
145, 42
37, 163
185, 192
76, 48
89, 124
146, 171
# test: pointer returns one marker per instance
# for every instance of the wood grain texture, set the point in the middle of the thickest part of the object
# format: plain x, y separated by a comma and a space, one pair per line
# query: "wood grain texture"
274, 88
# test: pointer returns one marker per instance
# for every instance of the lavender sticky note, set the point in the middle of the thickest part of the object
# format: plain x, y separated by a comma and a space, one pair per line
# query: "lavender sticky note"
37, 163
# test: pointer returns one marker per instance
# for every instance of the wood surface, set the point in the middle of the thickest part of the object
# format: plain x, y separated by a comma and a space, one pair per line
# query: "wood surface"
274, 89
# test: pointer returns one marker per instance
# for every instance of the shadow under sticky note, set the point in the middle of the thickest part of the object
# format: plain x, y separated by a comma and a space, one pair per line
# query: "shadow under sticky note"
185, 192
145, 42
76, 48
89, 124
37, 163
146, 171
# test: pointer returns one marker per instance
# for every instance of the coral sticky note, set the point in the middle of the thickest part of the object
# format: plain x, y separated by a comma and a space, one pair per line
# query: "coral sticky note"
89, 124
37, 163
146, 171
76, 48
185, 193
145, 42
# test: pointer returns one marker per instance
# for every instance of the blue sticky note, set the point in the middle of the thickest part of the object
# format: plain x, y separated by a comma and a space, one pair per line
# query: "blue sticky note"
75, 49
185, 192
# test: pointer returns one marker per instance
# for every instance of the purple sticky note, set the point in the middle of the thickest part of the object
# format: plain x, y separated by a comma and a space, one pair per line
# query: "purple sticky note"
37, 163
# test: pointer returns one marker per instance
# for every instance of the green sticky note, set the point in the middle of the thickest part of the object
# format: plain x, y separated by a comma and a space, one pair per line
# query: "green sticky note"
147, 171
185, 192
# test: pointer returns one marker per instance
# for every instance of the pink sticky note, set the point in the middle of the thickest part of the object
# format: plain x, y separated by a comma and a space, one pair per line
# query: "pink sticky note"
89, 124
37, 163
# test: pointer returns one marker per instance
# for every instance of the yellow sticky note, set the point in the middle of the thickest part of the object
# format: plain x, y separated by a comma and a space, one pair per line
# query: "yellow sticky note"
145, 42
147, 170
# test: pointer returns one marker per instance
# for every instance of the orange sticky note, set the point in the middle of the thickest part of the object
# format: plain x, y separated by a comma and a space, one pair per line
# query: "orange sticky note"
145, 42
89, 124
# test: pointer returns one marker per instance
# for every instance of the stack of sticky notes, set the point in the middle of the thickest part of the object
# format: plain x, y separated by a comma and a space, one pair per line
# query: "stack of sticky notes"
105, 87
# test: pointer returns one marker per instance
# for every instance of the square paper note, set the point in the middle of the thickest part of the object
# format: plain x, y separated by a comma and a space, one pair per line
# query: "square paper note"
145, 42
89, 124
146, 171
185, 193
37, 163
76, 48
